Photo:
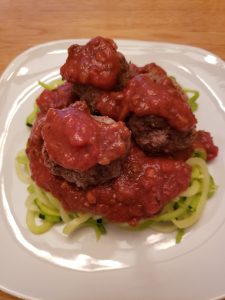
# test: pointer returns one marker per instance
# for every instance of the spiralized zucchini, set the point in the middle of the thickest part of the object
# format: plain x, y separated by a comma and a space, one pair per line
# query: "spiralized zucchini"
199, 199
32, 116
44, 210
192, 99
52, 85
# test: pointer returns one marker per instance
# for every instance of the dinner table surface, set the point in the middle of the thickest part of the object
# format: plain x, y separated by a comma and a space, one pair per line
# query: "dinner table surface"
26, 23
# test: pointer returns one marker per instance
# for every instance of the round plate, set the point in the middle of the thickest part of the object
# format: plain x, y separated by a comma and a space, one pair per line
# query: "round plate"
122, 264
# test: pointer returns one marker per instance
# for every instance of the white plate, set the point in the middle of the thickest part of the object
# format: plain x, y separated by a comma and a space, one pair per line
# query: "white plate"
122, 265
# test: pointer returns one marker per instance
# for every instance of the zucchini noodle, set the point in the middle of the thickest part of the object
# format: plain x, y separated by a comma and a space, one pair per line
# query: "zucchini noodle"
192, 100
52, 85
44, 210
32, 116
192, 95
188, 220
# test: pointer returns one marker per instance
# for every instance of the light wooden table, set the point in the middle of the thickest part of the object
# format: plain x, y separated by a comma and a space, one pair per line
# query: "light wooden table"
25, 23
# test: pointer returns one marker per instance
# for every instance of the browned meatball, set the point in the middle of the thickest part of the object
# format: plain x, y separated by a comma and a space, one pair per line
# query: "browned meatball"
61, 97
97, 63
82, 148
98, 174
154, 135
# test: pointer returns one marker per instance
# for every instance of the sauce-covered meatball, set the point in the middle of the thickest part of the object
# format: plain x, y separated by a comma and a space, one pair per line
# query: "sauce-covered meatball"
83, 148
97, 63
60, 97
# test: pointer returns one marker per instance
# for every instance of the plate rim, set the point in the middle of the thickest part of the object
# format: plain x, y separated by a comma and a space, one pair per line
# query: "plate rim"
117, 40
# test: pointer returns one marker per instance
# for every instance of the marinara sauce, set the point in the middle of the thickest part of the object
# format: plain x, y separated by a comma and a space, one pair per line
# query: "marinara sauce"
143, 188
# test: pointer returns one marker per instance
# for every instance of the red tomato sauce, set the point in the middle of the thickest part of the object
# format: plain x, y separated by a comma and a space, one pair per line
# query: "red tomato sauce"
144, 187
77, 141
97, 63
144, 96
59, 98
147, 97
204, 141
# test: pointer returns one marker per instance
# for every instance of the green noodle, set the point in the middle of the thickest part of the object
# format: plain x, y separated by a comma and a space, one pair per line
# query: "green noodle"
34, 227
192, 100
32, 116
52, 85
191, 219
44, 210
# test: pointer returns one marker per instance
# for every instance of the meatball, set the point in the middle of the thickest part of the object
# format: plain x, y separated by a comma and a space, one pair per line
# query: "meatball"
154, 135
97, 63
82, 148
61, 97
98, 174
89, 94
111, 104
148, 97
